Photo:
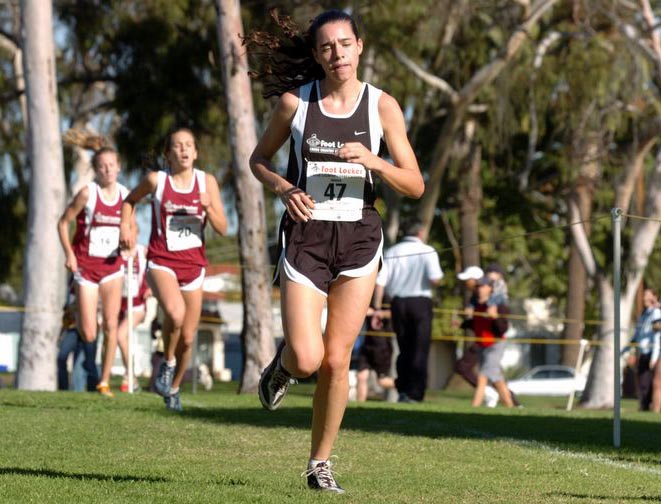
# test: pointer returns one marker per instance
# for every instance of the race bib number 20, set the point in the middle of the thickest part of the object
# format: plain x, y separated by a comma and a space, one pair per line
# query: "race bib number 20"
337, 189
183, 232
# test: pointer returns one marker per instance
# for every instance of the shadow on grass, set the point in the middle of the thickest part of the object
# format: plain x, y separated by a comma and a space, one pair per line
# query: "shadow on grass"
49, 473
619, 498
594, 434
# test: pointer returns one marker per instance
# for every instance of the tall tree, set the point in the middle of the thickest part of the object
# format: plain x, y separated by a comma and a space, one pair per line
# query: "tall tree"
43, 272
461, 101
257, 332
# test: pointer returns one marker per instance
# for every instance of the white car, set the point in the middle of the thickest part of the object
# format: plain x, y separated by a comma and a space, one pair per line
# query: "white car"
549, 380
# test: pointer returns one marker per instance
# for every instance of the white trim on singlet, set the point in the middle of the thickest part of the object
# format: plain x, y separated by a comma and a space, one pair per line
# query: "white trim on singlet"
340, 116
298, 126
376, 128
90, 205
197, 174
158, 199
121, 193
164, 175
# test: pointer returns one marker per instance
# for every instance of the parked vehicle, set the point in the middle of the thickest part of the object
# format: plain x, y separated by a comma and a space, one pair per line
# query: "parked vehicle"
548, 380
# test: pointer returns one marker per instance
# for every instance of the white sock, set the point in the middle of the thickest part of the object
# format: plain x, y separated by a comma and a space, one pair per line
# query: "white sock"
314, 463
173, 391
171, 363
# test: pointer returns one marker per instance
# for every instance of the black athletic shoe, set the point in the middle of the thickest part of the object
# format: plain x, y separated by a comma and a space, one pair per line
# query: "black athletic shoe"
173, 402
163, 380
274, 382
321, 477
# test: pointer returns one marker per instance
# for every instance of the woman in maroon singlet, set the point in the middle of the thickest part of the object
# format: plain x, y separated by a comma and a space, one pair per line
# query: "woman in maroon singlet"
184, 198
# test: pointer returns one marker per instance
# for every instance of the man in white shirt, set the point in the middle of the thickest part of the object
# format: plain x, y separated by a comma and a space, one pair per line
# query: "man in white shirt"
411, 270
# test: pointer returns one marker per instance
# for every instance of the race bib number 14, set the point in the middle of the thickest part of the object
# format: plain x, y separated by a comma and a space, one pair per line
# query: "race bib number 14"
104, 241
337, 189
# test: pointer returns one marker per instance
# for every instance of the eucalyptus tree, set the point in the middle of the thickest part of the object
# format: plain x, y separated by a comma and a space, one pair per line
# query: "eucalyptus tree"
257, 332
636, 68
43, 274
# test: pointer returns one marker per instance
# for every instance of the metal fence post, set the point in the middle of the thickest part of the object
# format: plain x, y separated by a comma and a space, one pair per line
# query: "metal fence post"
616, 213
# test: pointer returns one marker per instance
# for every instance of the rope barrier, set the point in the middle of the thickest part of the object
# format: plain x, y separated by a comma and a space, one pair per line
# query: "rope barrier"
513, 316
640, 217
531, 341
4, 309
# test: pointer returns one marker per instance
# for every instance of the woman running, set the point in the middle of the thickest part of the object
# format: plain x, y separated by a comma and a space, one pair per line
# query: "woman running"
93, 256
331, 233
183, 200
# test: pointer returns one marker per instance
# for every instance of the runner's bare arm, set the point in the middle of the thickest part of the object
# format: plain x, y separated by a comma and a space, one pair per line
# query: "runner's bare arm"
72, 210
127, 236
213, 205
297, 202
404, 175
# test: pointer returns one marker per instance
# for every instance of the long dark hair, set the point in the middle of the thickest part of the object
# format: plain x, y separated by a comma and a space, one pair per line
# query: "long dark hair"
284, 60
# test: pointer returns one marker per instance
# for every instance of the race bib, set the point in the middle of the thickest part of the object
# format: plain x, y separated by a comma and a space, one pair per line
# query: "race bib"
337, 189
104, 241
183, 232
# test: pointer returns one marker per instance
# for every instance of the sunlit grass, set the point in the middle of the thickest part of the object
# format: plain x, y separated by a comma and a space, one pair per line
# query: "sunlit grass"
78, 447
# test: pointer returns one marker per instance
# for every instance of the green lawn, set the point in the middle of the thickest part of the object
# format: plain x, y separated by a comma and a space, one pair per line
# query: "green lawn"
83, 448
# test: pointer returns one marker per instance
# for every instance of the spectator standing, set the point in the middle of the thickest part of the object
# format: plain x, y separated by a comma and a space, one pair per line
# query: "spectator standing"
465, 366
655, 366
376, 351
645, 337
500, 294
491, 330
411, 270
72, 343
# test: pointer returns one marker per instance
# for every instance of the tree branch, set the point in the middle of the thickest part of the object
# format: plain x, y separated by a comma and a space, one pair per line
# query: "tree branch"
644, 236
425, 76
581, 240
9, 41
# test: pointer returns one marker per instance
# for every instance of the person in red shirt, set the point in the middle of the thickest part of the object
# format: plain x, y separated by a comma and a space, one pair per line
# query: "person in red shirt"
489, 326
183, 200
93, 255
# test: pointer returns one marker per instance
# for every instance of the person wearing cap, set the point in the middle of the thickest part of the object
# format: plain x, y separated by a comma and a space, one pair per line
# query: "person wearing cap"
490, 332
465, 366
411, 270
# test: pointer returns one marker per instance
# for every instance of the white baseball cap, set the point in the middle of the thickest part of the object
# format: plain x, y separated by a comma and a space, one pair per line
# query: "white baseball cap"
471, 273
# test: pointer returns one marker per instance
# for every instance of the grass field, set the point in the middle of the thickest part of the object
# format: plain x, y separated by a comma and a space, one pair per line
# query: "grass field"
83, 448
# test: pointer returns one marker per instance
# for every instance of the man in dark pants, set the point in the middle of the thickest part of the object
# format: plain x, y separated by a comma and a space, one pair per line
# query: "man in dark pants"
411, 269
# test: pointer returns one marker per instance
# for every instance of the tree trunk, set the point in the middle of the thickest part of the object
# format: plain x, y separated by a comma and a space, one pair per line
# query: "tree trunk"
599, 388
43, 270
470, 195
257, 333
598, 393
583, 195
